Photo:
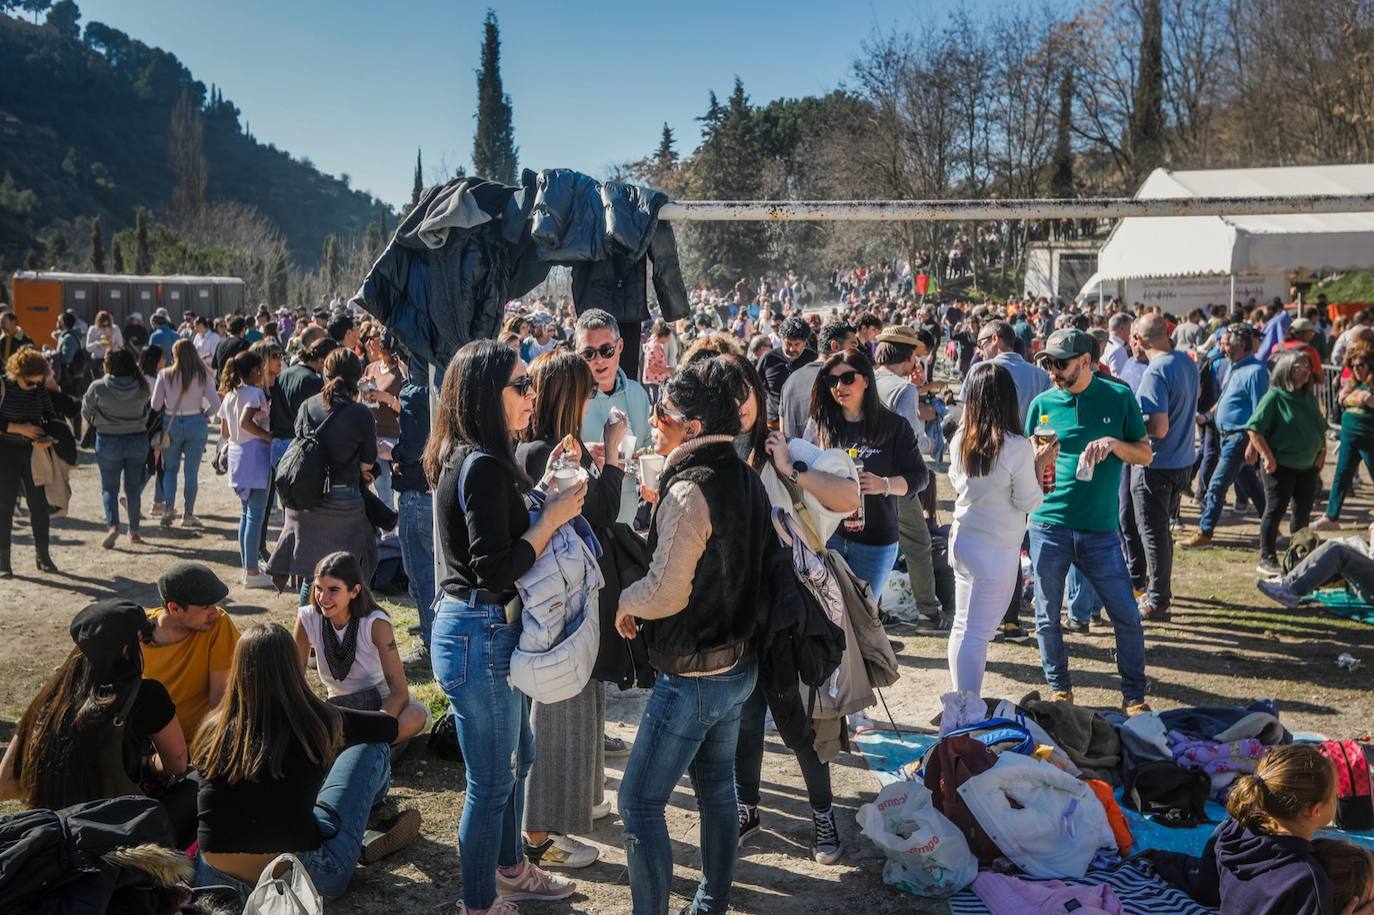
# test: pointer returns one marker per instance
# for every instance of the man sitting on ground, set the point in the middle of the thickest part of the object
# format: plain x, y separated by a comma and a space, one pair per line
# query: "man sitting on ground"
193, 642
1348, 558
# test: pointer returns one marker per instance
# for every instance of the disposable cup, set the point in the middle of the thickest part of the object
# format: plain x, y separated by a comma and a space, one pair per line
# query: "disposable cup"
650, 466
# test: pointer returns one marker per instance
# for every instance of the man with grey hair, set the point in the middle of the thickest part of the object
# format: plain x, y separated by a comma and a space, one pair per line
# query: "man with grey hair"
997, 346
1118, 350
596, 338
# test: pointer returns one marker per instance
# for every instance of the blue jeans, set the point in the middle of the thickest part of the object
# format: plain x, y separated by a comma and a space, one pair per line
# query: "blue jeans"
189, 435
871, 563
416, 532
1097, 557
690, 724
1231, 467
356, 782
123, 456
382, 484
1083, 601
471, 651
251, 520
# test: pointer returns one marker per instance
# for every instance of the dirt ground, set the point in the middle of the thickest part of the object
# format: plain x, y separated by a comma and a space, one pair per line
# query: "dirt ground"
1226, 644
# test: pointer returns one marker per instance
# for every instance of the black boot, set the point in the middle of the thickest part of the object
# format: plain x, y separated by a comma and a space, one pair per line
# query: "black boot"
5, 570
45, 563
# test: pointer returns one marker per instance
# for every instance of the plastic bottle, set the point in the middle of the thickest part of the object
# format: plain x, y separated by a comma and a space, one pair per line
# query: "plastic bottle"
1045, 435
855, 521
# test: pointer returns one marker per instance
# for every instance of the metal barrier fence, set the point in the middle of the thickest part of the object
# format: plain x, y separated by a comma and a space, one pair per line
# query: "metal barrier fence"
1331, 394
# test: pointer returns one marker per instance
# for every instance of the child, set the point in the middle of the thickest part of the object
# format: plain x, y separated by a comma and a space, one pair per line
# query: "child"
1351, 869
1262, 861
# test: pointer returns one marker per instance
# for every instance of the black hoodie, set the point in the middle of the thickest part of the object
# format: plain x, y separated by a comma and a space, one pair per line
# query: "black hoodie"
1252, 873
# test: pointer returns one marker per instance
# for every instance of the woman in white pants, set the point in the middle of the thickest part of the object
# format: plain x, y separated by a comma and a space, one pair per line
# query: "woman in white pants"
995, 471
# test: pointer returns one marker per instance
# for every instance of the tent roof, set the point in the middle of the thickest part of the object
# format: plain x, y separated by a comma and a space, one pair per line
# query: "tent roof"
1191, 245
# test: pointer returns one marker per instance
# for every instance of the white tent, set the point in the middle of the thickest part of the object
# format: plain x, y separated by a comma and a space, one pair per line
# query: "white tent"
1192, 261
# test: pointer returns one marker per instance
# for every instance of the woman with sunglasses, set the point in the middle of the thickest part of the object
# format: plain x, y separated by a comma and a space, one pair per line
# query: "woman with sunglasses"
1357, 431
24, 407
846, 413
487, 540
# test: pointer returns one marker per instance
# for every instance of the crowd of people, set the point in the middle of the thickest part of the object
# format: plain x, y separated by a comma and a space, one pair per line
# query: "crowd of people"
691, 495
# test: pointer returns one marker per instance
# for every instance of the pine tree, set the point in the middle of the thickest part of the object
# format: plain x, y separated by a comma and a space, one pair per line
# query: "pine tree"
730, 165
494, 153
329, 264
97, 247
713, 114
1061, 182
665, 159
116, 256
1147, 102
143, 257
418, 187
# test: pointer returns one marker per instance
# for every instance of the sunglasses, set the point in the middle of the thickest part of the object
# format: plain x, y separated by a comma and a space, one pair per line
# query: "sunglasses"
844, 378
522, 385
657, 412
605, 351
1054, 363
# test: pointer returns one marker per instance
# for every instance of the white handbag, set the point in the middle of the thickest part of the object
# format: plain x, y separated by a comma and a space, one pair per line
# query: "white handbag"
284, 889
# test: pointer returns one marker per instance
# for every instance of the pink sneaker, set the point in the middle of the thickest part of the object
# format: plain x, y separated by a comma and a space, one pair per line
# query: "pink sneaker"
533, 883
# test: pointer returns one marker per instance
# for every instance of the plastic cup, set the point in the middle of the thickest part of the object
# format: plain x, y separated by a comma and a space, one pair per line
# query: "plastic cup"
650, 466
627, 446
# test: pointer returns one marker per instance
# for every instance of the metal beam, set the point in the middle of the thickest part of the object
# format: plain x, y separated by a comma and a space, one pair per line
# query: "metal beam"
992, 209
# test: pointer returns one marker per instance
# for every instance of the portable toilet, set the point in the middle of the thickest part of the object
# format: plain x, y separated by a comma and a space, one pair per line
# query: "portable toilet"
143, 298
202, 296
37, 299
114, 298
229, 289
81, 294
176, 297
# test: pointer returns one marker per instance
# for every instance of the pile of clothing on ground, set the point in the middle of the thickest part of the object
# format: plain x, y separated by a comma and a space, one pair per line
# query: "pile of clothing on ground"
1042, 806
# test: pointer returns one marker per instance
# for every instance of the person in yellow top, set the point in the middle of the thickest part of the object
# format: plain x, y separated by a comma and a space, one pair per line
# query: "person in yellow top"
193, 642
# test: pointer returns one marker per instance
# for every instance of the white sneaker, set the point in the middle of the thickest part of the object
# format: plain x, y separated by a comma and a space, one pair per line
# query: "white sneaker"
533, 883
257, 580
601, 811
562, 851
1326, 524
190, 520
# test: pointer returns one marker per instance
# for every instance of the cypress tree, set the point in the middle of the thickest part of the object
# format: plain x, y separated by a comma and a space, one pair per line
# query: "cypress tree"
1061, 183
97, 247
329, 264
1147, 111
419, 187
494, 153
666, 157
116, 256
31, 260
277, 287
143, 257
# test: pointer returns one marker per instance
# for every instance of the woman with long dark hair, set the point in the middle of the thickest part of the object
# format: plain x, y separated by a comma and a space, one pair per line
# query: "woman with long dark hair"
186, 391
349, 441
486, 542
285, 771
846, 413
995, 471
566, 784
117, 406
24, 407
243, 422
383, 378
356, 646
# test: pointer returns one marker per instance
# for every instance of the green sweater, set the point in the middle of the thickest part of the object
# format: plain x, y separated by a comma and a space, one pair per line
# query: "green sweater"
1293, 426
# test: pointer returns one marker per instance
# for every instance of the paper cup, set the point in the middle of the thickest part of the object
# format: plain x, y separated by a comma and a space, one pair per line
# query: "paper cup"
627, 446
564, 479
650, 466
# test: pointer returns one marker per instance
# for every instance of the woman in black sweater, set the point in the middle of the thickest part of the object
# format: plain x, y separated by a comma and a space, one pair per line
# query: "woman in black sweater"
567, 779
846, 413
284, 771
24, 407
486, 542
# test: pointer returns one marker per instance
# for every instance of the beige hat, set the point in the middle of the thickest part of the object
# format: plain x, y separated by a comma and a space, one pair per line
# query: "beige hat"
899, 333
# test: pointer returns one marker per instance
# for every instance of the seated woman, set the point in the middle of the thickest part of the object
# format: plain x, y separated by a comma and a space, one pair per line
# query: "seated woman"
97, 729
358, 661
284, 771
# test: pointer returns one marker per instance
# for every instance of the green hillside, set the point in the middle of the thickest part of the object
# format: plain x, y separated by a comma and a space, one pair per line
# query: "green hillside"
84, 132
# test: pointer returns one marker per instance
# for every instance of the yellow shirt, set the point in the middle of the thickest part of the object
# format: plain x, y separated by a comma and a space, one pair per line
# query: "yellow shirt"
184, 668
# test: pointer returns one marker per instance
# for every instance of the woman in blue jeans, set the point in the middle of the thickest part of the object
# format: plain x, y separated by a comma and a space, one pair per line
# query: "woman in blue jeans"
285, 772
846, 413
186, 391
487, 540
116, 406
243, 423
696, 611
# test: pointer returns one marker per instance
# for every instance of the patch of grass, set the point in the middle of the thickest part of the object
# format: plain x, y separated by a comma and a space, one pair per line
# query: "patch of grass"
422, 685
1353, 286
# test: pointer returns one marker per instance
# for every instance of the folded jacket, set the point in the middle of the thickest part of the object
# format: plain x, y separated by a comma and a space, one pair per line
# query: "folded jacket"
1006, 895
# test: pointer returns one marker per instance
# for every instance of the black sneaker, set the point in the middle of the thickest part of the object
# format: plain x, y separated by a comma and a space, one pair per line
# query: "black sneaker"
826, 846
930, 623
748, 822
1012, 632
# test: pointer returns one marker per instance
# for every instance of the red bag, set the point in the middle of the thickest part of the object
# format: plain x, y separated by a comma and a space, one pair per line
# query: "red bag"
953, 761
1354, 804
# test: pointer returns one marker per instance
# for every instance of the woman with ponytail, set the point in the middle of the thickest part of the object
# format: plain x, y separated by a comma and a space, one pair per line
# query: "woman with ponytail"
349, 442
243, 423
1262, 860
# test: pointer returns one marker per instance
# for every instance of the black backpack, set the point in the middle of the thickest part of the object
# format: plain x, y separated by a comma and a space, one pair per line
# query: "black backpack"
303, 473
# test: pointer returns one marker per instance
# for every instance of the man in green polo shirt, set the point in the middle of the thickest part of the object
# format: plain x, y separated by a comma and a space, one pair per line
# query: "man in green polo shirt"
1098, 423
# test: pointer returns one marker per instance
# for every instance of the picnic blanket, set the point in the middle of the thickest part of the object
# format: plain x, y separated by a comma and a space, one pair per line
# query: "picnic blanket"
1140, 892
1342, 602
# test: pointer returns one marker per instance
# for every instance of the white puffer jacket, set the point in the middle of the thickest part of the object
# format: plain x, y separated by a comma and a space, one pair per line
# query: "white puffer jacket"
561, 627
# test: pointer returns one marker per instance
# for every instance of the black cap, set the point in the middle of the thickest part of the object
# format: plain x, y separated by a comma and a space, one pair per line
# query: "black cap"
108, 633
191, 584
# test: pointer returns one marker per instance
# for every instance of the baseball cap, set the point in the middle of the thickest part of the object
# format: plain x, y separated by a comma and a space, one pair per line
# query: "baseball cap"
191, 584
1302, 324
108, 633
899, 333
135, 316
1067, 343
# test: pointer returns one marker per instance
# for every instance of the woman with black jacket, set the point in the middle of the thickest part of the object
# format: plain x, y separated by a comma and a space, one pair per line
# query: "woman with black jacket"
24, 407
487, 540
566, 783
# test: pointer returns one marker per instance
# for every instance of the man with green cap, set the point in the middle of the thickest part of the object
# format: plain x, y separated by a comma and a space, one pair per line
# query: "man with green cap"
193, 642
1099, 427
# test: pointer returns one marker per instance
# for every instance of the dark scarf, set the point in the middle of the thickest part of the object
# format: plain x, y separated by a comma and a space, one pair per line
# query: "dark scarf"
339, 655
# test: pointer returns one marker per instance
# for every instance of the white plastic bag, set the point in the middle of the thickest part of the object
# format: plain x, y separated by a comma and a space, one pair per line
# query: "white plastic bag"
926, 853
284, 889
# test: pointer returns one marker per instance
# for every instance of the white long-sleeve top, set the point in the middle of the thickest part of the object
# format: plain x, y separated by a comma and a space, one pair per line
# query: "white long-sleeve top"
198, 397
993, 507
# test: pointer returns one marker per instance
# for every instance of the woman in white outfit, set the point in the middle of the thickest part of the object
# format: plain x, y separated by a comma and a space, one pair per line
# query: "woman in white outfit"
995, 471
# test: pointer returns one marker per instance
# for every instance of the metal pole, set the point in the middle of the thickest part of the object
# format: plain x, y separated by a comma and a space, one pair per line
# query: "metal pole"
969, 210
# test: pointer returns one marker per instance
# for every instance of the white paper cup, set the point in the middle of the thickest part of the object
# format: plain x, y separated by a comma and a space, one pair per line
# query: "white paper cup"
564, 479
650, 466
627, 446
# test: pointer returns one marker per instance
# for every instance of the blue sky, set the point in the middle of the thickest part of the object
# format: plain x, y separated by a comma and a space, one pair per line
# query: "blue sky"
357, 86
